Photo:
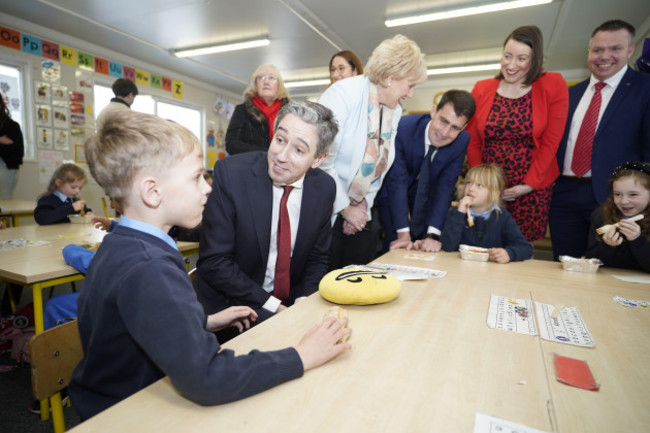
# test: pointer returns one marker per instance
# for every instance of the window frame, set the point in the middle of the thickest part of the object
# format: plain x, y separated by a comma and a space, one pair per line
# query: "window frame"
27, 110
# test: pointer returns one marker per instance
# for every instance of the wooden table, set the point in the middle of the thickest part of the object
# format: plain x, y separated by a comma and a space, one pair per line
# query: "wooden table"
17, 209
428, 362
43, 266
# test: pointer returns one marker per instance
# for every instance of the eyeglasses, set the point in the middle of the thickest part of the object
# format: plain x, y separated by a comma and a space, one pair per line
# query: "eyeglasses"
271, 78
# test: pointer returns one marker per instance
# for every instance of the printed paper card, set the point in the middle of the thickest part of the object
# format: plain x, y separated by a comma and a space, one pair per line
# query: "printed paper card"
511, 315
568, 327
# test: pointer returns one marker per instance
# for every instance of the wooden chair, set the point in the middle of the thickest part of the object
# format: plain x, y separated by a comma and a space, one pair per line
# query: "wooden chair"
54, 355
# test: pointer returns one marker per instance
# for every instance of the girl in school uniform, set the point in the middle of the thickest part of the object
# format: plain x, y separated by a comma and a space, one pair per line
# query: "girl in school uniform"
480, 221
60, 199
625, 242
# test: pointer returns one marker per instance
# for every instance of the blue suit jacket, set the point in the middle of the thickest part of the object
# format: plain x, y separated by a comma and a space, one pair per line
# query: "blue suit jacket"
398, 191
623, 133
234, 246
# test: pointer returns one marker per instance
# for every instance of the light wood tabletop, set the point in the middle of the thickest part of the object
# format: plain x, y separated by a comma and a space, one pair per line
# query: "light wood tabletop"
17, 209
427, 362
43, 266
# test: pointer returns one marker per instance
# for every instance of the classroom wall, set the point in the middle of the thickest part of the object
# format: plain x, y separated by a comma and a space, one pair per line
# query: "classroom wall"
196, 95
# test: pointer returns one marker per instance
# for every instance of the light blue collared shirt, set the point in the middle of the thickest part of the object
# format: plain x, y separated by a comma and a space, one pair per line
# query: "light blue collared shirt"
62, 196
149, 229
485, 215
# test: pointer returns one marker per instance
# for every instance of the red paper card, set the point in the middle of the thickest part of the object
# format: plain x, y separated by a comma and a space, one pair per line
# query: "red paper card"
574, 372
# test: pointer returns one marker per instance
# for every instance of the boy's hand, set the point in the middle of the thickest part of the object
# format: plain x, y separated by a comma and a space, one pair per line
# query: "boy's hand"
321, 345
239, 317
499, 255
79, 205
464, 204
629, 229
101, 223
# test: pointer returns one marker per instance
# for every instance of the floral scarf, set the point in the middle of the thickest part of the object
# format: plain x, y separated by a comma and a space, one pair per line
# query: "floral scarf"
375, 160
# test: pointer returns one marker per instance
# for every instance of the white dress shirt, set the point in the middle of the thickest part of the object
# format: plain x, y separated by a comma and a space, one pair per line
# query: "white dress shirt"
606, 93
293, 206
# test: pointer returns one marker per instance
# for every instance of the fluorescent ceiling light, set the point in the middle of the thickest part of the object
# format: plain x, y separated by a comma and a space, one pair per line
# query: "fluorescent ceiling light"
461, 69
462, 12
211, 49
307, 83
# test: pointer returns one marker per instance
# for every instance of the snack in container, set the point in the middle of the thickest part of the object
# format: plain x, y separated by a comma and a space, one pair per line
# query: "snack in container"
580, 265
470, 252
79, 219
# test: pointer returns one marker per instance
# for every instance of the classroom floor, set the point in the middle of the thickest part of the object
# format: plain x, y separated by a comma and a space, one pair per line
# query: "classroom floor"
16, 397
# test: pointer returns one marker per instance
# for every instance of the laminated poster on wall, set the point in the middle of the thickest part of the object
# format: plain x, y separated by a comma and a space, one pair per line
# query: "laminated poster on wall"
50, 70
61, 139
60, 95
48, 161
44, 137
42, 92
85, 81
60, 116
43, 115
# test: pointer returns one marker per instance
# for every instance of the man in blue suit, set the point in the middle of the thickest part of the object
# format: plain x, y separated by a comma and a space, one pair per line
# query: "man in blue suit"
413, 212
622, 133
239, 240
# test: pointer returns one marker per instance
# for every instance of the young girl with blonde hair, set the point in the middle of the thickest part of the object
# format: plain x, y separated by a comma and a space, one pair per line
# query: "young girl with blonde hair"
60, 199
480, 221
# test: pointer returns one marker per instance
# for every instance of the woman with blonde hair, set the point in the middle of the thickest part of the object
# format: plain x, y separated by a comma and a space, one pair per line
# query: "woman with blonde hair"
367, 108
251, 125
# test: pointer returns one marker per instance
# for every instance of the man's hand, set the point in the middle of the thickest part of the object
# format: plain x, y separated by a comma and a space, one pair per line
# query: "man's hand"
403, 241
239, 317
321, 343
6, 140
429, 245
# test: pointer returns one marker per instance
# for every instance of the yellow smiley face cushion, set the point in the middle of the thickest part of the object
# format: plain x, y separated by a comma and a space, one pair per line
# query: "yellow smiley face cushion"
359, 287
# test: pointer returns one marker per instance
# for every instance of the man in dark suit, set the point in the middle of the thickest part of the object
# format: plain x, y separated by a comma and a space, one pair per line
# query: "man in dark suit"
239, 245
622, 133
413, 213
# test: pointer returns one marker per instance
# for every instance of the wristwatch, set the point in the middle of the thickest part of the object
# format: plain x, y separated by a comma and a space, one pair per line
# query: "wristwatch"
433, 236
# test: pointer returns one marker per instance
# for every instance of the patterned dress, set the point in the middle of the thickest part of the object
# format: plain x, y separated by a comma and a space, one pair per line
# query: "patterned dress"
509, 144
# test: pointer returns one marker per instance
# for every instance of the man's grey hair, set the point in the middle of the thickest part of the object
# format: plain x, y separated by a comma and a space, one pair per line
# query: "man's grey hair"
314, 114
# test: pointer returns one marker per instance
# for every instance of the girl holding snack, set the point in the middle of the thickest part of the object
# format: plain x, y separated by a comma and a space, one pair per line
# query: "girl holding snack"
479, 219
60, 199
620, 229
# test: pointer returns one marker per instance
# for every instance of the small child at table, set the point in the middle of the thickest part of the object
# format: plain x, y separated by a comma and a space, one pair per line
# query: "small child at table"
627, 243
139, 318
60, 199
480, 221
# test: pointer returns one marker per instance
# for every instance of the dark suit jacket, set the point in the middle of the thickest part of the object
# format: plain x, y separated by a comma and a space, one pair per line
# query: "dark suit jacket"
234, 244
623, 133
398, 191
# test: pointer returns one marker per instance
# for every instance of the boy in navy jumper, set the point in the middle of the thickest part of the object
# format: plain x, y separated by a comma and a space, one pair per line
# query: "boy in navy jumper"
139, 318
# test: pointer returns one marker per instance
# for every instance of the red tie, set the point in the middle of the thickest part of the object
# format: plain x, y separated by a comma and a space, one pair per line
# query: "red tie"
283, 262
581, 162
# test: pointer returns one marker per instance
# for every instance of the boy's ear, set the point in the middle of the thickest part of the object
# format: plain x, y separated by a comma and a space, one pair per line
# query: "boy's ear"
150, 192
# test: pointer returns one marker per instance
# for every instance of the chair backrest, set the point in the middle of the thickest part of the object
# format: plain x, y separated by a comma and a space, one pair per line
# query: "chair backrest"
54, 355
192, 274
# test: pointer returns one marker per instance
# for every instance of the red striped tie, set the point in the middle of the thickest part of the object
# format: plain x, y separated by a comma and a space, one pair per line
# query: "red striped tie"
282, 281
581, 162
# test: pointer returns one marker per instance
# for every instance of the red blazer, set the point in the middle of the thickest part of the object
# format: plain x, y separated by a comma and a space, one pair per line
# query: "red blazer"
550, 99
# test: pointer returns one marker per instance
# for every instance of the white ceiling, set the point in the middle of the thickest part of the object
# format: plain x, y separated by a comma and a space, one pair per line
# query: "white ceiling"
305, 33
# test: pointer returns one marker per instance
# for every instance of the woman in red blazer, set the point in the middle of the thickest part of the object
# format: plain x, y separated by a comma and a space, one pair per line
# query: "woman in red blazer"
518, 125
